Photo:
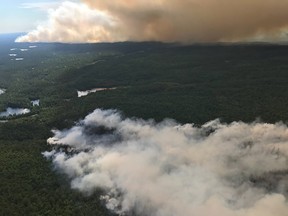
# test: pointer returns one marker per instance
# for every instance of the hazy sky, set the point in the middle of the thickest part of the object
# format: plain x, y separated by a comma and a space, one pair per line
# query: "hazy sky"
23, 15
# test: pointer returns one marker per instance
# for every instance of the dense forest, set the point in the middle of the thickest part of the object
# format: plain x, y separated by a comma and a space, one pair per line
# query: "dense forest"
195, 83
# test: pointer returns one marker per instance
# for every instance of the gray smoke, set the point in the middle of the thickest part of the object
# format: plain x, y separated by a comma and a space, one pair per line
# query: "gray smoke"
166, 168
185, 21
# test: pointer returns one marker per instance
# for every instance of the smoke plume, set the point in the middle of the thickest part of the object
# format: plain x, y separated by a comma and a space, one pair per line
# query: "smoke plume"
165, 20
165, 169
72, 22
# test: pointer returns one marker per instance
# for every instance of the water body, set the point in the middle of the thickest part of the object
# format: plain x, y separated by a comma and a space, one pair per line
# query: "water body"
2, 91
85, 93
35, 102
14, 112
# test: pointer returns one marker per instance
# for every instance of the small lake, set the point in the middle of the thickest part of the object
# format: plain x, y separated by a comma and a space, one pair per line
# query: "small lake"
35, 102
85, 93
14, 111
2, 91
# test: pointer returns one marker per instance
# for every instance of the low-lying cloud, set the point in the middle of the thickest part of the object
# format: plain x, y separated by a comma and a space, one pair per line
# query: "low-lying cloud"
165, 169
185, 21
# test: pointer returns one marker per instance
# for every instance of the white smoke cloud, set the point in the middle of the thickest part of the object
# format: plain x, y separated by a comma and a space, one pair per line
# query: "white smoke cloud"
72, 22
165, 169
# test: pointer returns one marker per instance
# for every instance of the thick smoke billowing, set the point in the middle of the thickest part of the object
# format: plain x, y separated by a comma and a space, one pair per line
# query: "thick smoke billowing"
165, 20
72, 22
165, 169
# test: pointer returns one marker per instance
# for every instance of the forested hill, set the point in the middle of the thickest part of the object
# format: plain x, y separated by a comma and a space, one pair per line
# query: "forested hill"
194, 83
